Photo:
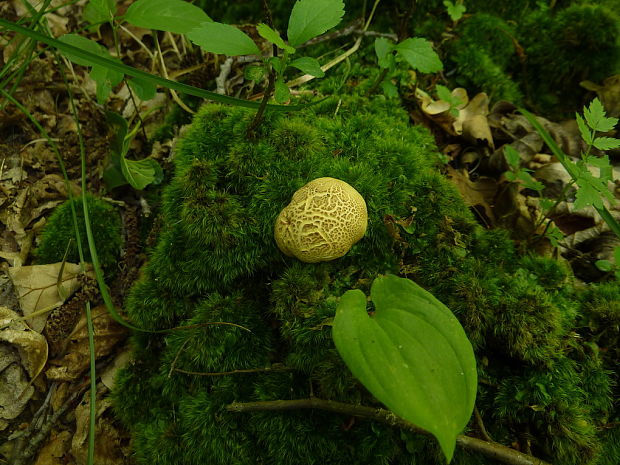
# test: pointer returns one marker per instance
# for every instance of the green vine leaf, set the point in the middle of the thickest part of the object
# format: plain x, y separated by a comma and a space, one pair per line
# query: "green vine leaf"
274, 37
412, 355
222, 38
166, 15
311, 18
420, 55
308, 65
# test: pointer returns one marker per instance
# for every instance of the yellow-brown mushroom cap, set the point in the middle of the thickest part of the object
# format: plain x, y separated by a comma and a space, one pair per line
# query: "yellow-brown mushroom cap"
322, 222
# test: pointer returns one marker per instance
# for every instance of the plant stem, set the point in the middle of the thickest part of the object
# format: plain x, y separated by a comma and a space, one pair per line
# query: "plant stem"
489, 449
378, 82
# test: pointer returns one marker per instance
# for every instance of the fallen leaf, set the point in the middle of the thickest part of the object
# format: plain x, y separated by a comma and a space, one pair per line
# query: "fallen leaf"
121, 360
479, 194
36, 288
608, 92
472, 120
55, 451
108, 333
23, 354
112, 444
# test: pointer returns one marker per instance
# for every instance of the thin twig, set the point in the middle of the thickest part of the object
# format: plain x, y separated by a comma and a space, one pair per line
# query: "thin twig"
275, 367
487, 448
481, 427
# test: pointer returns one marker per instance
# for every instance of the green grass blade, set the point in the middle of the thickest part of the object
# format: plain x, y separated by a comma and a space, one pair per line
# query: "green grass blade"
93, 386
128, 70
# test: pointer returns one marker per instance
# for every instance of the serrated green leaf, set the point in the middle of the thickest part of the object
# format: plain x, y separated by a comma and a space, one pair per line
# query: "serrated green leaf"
222, 38
274, 37
282, 93
605, 169
166, 15
254, 72
596, 118
141, 173
310, 18
308, 65
512, 156
604, 265
443, 93
383, 49
145, 90
606, 143
529, 182
586, 133
412, 355
420, 55
512, 177
98, 11
389, 88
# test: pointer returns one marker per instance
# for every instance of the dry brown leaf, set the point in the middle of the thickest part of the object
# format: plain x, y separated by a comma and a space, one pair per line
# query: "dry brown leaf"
111, 447
55, 451
472, 121
108, 333
36, 288
609, 93
23, 354
121, 360
478, 194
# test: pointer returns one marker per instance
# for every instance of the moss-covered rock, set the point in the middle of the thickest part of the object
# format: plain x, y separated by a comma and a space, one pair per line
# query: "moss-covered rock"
217, 262
59, 236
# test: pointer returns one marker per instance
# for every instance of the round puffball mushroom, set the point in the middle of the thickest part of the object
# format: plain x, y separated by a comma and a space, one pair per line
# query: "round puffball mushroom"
322, 222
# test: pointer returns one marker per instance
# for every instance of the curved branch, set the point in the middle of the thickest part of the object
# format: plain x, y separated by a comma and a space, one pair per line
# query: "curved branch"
489, 449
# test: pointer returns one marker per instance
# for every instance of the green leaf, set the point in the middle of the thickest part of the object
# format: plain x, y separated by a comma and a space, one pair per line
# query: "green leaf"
118, 66
383, 49
98, 11
529, 182
166, 15
311, 18
145, 90
617, 256
420, 55
276, 63
512, 156
308, 65
602, 163
223, 38
254, 72
604, 265
389, 88
282, 93
412, 355
455, 11
596, 118
141, 173
586, 133
606, 143
274, 37
105, 77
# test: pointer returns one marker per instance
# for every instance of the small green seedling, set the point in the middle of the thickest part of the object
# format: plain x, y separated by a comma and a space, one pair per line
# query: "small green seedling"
308, 19
607, 266
519, 174
418, 53
121, 170
455, 10
446, 95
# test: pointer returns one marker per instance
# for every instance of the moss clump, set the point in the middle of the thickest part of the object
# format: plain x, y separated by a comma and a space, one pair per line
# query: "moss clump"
59, 232
217, 261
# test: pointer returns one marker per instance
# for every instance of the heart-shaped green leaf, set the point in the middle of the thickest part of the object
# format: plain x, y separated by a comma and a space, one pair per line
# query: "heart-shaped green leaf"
412, 355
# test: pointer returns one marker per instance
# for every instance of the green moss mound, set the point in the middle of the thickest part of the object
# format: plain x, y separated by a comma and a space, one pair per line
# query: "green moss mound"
216, 262
59, 233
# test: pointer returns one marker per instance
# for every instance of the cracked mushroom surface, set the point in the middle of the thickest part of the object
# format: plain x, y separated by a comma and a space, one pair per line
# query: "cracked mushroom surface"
322, 222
